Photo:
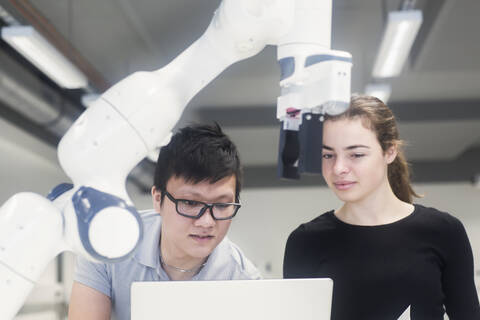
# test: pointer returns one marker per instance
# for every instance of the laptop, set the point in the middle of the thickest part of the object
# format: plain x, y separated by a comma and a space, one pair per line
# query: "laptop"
279, 299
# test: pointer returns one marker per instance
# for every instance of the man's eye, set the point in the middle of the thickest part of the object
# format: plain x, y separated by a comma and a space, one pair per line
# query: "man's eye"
327, 156
190, 203
222, 206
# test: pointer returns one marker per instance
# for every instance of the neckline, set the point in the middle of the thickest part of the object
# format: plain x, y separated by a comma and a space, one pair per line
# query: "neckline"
194, 270
378, 226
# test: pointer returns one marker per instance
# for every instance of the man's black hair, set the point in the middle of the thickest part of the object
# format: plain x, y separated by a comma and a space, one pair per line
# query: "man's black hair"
198, 153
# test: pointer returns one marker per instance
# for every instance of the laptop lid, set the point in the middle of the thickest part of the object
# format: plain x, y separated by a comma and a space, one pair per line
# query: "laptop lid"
305, 299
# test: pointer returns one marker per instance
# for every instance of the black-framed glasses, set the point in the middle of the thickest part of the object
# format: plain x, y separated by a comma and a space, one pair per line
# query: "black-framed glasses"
195, 209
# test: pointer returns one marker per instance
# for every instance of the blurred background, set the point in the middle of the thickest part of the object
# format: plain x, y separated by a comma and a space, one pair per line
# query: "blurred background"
435, 96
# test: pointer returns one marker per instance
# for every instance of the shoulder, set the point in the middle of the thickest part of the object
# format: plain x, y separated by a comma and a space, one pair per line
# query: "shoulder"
325, 222
151, 221
315, 234
149, 216
241, 267
437, 219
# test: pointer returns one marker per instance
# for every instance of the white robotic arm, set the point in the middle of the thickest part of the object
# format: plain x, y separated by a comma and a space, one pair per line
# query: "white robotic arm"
136, 115
31, 228
95, 218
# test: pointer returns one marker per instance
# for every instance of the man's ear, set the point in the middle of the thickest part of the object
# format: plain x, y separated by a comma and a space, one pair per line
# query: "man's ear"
156, 199
391, 154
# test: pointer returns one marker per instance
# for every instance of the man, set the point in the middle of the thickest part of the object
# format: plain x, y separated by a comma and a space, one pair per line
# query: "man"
195, 195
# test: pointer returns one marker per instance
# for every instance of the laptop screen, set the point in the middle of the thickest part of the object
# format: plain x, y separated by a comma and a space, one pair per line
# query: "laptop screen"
305, 299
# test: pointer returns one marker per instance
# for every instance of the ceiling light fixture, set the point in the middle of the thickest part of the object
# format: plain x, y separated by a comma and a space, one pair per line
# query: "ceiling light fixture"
35, 48
400, 33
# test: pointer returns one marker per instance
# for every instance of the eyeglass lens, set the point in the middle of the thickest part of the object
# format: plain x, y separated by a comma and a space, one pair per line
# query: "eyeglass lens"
193, 208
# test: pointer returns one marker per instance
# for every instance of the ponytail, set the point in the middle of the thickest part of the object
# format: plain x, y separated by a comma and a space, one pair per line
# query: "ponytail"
399, 178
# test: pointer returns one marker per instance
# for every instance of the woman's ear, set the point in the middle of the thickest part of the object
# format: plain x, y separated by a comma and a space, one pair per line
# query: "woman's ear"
391, 154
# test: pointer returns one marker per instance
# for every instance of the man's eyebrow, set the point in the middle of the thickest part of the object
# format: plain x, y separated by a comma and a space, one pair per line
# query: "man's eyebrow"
194, 194
225, 198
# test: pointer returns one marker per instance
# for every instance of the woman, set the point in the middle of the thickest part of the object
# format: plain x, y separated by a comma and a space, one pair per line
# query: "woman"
384, 253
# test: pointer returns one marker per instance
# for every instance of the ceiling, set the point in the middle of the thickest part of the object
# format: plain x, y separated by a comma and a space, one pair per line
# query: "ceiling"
436, 98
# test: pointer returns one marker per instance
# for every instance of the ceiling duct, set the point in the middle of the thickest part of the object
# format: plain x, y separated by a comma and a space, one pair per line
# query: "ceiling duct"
25, 94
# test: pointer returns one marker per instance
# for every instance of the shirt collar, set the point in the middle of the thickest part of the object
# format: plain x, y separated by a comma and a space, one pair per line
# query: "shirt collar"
148, 250
217, 260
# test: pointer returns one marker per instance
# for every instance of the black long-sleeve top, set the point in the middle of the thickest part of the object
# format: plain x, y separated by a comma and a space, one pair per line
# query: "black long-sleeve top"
424, 261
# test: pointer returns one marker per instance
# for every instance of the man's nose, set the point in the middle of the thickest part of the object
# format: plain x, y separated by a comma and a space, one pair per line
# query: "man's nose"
206, 220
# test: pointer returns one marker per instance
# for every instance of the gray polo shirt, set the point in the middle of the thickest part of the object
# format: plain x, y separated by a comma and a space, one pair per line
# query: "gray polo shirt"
226, 262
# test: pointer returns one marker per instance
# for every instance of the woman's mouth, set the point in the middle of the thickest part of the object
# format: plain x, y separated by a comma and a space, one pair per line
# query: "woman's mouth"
344, 185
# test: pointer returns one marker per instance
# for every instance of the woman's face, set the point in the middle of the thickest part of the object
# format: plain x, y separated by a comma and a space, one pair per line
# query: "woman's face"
354, 164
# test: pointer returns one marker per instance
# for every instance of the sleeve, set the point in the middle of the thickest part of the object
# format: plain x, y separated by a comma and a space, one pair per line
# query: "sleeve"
294, 260
93, 275
461, 300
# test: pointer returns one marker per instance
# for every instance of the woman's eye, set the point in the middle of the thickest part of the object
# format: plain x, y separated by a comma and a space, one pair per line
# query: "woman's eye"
357, 155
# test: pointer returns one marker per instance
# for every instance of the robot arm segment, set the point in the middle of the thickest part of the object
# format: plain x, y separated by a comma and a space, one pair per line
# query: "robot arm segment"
31, 231
34, 229
108, 228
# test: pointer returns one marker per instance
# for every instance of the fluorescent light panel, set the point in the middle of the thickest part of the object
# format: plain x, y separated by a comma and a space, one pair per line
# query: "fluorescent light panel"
381, 91
44, 56
400, 33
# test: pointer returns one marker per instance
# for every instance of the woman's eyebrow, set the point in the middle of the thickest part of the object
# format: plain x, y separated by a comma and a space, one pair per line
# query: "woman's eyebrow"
355, 146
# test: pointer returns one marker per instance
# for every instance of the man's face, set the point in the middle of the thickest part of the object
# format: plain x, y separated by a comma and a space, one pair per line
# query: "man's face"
185, 239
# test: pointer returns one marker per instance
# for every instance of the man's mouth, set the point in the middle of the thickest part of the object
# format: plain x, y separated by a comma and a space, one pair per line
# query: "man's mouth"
201, 238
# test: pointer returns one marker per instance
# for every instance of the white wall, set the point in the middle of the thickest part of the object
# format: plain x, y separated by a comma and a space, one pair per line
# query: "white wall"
26, 163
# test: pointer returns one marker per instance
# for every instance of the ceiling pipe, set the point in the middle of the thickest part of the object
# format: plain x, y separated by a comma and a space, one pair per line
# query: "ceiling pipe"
26, 95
